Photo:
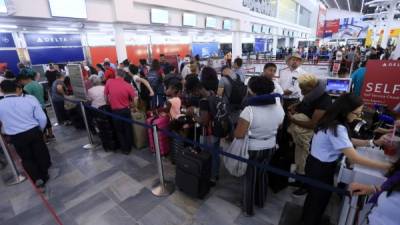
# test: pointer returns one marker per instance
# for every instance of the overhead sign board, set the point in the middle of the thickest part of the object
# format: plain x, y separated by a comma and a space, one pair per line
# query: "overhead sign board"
49, 40
6, 40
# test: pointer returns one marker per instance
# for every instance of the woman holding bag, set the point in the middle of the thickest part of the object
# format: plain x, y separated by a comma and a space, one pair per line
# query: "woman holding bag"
260, 123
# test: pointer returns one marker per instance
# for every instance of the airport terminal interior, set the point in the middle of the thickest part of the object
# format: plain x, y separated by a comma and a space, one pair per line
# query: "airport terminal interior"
199, 112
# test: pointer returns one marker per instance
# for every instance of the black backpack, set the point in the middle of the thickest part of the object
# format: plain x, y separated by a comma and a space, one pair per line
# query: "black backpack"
238, 93
221, 123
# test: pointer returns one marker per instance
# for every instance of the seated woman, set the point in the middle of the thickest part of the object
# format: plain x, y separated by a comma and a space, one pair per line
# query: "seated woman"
331, 140
262, 141
304, 117
386, 198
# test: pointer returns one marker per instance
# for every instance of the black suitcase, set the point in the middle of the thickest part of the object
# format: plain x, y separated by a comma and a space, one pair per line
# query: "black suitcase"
193, 172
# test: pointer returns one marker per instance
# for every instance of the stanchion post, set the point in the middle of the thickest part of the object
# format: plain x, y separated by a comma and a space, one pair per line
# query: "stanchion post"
162, 187
91, 144
18, 178
52, 107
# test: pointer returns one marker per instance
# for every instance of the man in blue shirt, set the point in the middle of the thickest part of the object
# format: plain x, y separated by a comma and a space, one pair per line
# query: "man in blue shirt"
357, 79
23, 120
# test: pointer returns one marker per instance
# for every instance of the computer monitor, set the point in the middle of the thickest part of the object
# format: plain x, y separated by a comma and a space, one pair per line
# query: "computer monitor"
338, 86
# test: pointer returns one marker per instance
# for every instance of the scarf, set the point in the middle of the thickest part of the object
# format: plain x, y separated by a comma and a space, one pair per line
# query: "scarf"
386, 186
260, 100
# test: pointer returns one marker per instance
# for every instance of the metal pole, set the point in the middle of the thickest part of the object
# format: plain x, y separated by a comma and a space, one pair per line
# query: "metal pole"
162, 187
91, 144
18, 178
52, 106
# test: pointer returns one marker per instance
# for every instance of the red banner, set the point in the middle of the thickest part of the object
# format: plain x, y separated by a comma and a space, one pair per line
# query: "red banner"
321, 21
332, 26
381, 83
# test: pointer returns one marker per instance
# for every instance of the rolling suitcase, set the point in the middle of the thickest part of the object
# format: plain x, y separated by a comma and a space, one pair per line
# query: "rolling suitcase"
140, 139
162, 123
193, 171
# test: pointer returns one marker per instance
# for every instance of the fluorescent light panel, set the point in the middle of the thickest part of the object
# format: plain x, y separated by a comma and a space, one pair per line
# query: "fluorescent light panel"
62, 29
348, 4
8, 26
337, 5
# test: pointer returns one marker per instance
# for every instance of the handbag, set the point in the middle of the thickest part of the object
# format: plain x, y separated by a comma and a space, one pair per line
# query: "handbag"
240, 148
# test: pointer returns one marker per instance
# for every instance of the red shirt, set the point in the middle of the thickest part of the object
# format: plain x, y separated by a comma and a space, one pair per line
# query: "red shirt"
119, 93
109, 74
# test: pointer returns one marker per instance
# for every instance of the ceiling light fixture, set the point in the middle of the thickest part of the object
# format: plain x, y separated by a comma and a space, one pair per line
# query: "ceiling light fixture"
62, 29
348, 4
337, 4
8, 26
362, 6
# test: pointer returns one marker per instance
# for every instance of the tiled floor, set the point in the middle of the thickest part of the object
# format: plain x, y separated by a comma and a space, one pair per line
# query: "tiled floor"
100, 188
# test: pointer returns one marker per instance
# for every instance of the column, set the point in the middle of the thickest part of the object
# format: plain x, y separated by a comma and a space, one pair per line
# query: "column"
287, 42
386, 24
296, 42
236, 45
274, 44
120, 43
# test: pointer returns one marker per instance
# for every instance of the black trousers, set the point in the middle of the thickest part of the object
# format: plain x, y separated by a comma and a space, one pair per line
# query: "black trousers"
317, 199
34, 154
256, 181
60, 111
124, 129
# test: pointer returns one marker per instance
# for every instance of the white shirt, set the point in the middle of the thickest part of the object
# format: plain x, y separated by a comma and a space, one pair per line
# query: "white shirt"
185, 71
278, 89
96, 96
386, 212
262, 131
288, 81
327, 147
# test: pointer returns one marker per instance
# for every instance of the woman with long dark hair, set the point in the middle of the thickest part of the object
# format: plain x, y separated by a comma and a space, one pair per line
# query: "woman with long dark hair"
330, 141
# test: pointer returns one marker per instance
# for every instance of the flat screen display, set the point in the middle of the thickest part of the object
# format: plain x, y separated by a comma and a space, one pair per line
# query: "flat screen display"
256, 28
189, 19
3, 6
265, 29
68, 8
159, 16
338, 86
211, 22
227, 25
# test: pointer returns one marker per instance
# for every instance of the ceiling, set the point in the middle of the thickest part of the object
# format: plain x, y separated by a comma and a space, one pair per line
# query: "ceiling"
355, 5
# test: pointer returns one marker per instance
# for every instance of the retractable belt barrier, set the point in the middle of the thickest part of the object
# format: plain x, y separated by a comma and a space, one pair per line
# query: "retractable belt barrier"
269, 168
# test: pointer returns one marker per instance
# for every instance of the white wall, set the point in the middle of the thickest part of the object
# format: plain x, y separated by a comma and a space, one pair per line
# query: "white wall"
332, 14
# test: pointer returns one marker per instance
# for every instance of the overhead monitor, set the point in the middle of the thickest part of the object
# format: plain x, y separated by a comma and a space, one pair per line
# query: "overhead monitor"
159, 16
189, 19
211, 22
68, 8
227, 25
338, 86
3, 6
256, 28
264, 29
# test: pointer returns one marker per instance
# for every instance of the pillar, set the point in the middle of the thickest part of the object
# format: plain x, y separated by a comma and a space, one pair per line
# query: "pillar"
120, 43
287, 42
236, 45
386, 24
274, 44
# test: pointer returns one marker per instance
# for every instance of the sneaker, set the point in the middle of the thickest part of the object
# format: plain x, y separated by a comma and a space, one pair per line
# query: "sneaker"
40, 185
300, 192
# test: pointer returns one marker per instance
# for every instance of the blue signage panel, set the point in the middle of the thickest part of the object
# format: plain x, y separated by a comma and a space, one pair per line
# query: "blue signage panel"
55, 55
10, 57
43, 40
6, 40
205, 50
260, 45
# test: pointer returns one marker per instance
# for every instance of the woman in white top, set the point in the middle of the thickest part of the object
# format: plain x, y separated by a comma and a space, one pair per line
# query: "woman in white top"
331, 140
261, 123
96, 92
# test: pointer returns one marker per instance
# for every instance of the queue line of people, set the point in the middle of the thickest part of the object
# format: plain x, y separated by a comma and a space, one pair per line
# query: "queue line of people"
304, 110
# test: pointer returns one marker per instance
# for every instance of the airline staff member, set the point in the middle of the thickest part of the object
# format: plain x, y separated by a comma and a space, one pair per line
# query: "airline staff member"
23, 120
288, 80
330, 141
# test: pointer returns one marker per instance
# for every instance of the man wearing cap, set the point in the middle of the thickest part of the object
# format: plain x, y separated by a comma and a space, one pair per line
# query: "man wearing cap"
288, 80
